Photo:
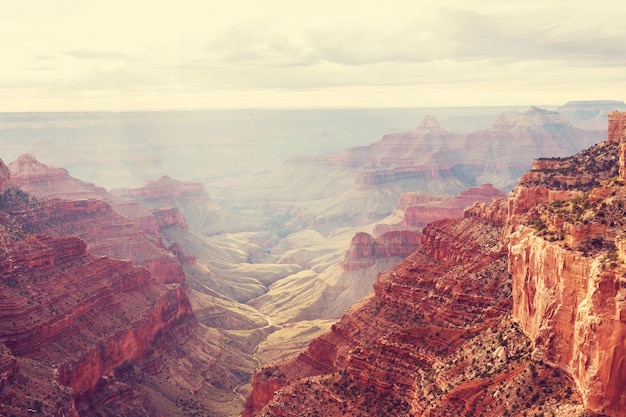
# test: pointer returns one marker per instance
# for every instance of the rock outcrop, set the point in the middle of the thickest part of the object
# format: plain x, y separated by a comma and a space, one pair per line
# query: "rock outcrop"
190, 199
431, 154
165, 192
419, 209
516, 308
365, 250
435, 339
567, 269
70, 317
87, 211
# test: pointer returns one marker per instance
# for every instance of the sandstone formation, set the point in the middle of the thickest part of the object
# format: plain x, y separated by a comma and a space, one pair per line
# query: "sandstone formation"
39, 179
433, 154
70, 317
364, 249
47, 182
166, 193
84, 334
360, 185
435, 338
567, 276
92, 219
416, 210
438, 337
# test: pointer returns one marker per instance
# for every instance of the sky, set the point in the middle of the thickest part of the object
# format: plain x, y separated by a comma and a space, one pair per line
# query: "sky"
84, 55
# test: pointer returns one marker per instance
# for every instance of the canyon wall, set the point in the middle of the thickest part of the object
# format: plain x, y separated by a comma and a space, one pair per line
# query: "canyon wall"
434, 339
69, 317
569, 291
542, 272
365, 250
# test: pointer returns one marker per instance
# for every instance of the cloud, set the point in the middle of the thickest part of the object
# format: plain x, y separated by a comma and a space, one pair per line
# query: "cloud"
509, 36
189, 49
99, 55
254, 43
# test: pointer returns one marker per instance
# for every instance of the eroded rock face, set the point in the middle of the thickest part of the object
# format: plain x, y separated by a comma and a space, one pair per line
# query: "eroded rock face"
420, 214
617, 127
165, 191
364, 249
435, 338
42, 180
47, 182
431, 155
87, 211
575, 314
5, 177
69, 317
190, 201
568, 285
401, 351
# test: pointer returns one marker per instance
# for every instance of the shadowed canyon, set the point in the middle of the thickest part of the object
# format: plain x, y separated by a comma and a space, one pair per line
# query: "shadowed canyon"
468, 266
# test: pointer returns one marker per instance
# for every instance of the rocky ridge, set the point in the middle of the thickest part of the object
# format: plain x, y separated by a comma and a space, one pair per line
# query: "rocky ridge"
98, 315
70, 317
435, 338
431, 153
515, 308
568, 274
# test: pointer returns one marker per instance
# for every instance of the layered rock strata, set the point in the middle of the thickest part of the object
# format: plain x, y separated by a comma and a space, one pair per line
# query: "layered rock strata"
567, 266
365, 250
87, 211
69, 317
552, 255
435, 338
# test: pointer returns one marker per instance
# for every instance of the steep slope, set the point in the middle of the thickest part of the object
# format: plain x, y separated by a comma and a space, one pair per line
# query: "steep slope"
48, 182
568, 270
142, 340
70, 317
438, 336
435, 338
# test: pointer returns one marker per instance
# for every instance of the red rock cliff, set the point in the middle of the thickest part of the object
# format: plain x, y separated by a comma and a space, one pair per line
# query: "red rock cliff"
434, 339
568, 287
70, 317
364, 249
421, 344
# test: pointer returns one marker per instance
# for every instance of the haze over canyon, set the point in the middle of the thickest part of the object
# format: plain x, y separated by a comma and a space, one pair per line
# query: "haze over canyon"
464, 261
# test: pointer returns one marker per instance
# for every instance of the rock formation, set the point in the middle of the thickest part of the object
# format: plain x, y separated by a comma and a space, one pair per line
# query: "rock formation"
435, 338
69, 317
419, 209
432, 154
567, 268
85, 334
365, 250
166, 193
515, 309
39, 179
84, 213
367, 180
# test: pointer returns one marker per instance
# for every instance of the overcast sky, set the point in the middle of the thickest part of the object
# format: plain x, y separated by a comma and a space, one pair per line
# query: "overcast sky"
190, 54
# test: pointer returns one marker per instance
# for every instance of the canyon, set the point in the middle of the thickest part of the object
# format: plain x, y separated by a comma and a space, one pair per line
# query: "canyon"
185, 295
515, 308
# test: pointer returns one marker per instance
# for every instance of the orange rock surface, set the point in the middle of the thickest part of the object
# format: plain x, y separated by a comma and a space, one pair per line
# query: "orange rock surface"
68, 316
518, 307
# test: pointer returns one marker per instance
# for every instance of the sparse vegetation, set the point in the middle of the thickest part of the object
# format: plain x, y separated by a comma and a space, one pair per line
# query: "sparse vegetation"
583, 171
